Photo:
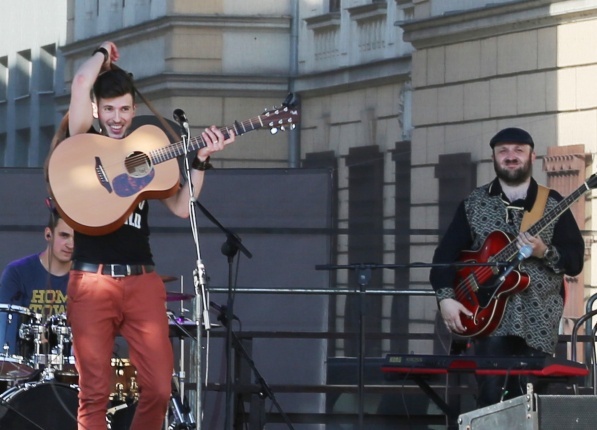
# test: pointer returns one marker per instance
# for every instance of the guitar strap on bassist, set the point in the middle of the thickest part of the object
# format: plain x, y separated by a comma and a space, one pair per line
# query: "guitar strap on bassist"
530, 218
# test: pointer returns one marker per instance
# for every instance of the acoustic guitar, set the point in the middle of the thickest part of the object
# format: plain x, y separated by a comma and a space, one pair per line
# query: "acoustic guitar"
96, 181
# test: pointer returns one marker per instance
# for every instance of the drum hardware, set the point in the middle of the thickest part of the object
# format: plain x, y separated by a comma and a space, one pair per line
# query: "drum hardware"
48, 374
13, 364
112, 411
173, 296
181, 415
168, 278
51, 349
63, 334
124, 381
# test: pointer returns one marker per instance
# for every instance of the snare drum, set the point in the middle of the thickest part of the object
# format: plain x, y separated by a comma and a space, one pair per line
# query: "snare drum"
15, 349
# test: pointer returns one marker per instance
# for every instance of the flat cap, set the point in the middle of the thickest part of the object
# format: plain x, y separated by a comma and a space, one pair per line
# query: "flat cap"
512, 135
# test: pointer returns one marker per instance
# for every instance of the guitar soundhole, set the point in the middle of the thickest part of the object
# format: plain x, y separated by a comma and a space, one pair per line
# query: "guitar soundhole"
138, 164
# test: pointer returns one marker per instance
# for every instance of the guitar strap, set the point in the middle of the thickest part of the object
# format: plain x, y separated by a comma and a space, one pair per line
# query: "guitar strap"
530, 218
160, 118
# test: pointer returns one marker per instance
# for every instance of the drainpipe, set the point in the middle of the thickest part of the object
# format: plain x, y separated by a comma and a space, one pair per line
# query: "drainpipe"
294, 136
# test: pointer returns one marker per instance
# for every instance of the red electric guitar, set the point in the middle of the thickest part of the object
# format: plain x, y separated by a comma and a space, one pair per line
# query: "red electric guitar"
480, 288
96, 181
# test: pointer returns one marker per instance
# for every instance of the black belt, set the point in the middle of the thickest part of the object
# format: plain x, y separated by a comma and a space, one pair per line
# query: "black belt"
114, 270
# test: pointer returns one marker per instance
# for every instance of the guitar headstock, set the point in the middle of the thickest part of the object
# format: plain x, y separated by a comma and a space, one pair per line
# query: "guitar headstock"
284, 117
592, 181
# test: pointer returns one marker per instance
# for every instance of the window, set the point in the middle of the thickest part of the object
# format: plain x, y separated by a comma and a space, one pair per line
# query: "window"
22, 73
3, 78
3, 149
334, 5
22, 148
47, 66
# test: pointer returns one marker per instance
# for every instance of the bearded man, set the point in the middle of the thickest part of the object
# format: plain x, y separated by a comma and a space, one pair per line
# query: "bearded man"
530, 322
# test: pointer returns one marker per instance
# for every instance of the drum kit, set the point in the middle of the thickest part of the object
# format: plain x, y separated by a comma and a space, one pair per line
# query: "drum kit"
39, 380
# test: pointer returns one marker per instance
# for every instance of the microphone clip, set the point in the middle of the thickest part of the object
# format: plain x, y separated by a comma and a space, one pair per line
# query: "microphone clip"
181, 118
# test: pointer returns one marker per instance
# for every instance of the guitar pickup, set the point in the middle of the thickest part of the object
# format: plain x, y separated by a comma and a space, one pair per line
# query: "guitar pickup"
101, 175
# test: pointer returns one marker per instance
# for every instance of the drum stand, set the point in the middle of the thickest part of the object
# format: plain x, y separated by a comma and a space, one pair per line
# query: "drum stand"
53, 358
182, 416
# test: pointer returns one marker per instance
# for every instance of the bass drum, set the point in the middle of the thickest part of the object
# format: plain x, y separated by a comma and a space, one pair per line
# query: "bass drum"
45, 405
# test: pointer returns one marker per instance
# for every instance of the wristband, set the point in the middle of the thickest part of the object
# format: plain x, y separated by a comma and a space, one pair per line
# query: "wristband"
103, 51
201, 165
551, 254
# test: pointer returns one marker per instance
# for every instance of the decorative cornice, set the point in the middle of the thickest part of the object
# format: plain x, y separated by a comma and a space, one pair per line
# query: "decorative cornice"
492, 20
564, 163
368, 11
566, 159
324, 21
166, 23
359, 76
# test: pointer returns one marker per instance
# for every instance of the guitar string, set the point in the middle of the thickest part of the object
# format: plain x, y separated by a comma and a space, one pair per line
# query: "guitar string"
468, 284
176, 149
169, 152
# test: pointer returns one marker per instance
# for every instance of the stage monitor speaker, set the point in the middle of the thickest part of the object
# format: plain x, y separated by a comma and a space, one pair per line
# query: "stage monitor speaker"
535, 412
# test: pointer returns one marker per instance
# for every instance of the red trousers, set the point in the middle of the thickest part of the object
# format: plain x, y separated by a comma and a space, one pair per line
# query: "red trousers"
98, 308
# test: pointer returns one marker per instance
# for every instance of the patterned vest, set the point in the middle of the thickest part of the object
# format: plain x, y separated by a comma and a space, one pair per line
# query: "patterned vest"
535, 313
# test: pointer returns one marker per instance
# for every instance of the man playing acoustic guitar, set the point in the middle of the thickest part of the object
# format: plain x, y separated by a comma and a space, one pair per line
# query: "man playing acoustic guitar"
113, 285
526, 322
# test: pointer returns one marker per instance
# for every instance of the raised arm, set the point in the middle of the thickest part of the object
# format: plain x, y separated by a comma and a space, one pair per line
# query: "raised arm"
81, 109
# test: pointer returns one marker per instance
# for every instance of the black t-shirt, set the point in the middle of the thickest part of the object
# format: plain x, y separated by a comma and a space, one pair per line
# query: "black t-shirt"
127, 245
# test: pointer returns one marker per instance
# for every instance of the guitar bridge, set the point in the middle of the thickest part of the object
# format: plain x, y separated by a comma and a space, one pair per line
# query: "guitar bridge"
101, 175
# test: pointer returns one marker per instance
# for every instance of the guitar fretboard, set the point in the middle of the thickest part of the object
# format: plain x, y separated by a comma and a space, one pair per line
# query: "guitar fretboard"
511, 250
273, 119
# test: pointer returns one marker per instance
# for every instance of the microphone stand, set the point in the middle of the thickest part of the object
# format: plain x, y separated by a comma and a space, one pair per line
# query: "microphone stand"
199, 275
230, 249
264, 391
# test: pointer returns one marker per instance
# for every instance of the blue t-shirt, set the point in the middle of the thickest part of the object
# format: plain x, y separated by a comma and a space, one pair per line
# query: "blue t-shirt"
26, 284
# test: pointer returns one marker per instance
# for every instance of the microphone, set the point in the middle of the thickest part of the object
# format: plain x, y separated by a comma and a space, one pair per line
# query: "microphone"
523, 253
181, 118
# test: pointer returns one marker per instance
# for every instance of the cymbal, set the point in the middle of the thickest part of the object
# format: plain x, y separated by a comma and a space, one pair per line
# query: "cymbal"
173, 296
167, 278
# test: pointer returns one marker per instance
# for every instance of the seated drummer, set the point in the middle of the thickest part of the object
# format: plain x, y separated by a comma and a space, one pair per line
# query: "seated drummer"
36, 282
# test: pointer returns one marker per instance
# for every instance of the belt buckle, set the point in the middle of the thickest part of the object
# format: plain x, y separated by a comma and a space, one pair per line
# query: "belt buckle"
119, 273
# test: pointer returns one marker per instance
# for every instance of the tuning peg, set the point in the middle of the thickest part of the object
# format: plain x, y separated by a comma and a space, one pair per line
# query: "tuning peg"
273, 130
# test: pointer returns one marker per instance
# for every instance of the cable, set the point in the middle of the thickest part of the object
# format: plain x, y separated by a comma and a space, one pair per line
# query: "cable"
505, 386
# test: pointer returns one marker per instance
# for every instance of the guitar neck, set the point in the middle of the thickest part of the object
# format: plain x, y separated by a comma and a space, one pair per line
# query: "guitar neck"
511, 249
553, 214
195, 143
